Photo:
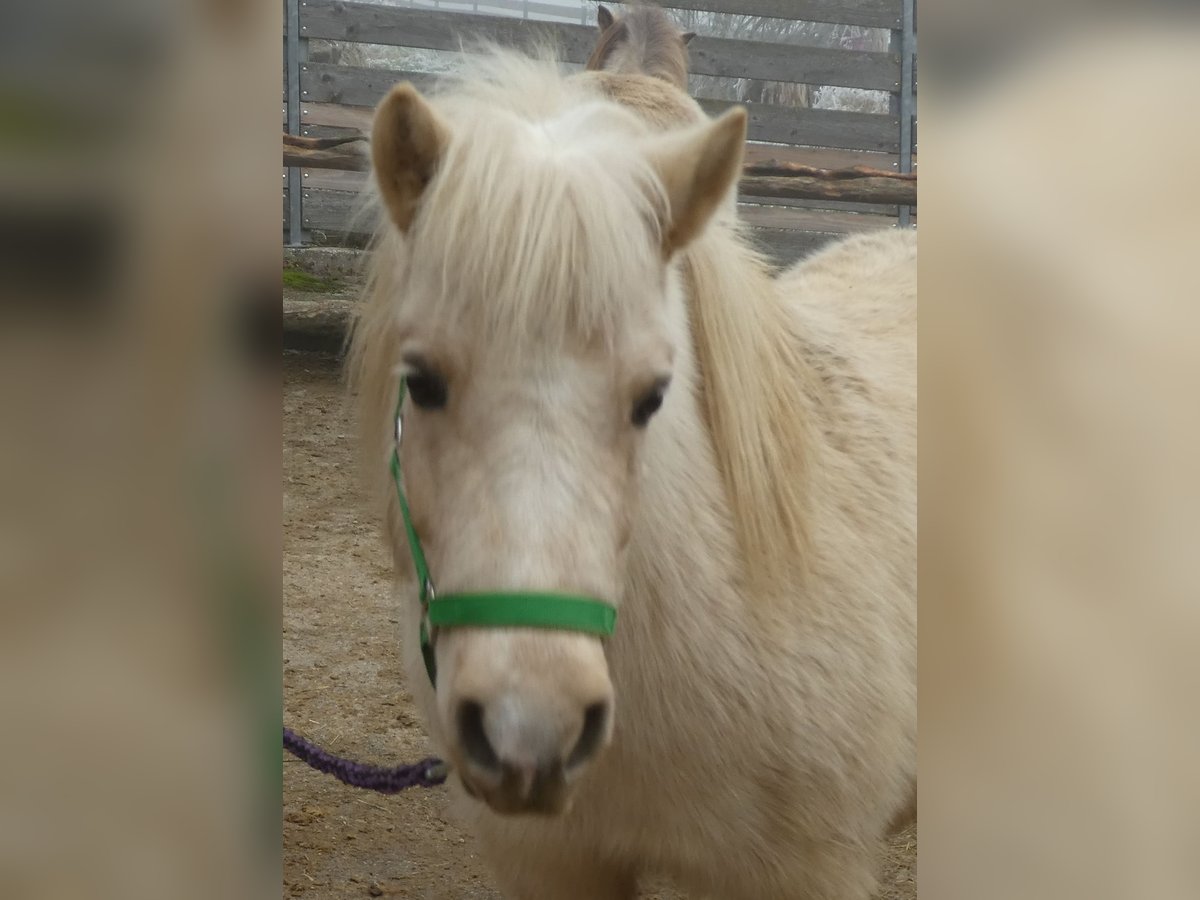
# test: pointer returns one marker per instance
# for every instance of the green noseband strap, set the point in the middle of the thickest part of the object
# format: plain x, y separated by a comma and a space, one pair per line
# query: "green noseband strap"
524, 610
489, 609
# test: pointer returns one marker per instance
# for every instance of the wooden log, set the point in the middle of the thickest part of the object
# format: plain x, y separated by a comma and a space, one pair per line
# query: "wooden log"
323, 143
348, 159
840, 173
347, 152
858, 184
833, 184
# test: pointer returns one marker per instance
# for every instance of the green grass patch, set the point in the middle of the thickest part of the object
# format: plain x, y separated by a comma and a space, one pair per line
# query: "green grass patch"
303, 281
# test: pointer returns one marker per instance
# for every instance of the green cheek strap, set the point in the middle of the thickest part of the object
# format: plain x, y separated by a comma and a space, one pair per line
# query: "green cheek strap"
489, 609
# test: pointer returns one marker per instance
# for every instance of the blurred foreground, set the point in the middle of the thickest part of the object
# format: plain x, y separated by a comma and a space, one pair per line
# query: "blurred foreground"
139, 449
1060, 459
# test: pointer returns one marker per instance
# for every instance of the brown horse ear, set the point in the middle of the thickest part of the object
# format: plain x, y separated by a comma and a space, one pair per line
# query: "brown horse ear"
687, 37
604, 18
407, 143
697, 168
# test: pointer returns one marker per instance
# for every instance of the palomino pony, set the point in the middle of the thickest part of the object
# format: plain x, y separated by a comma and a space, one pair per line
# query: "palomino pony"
644, 41
609, 393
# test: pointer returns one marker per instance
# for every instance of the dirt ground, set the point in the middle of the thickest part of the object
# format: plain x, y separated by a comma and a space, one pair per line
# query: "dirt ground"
343, 686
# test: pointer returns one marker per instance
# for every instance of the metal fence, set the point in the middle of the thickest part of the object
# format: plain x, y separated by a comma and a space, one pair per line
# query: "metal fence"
829, 83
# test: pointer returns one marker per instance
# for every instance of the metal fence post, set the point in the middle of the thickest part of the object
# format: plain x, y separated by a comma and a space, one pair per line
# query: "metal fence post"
295, 53
908, 45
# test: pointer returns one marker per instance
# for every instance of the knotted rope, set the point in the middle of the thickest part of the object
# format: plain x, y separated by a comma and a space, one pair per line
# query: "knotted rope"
429, 772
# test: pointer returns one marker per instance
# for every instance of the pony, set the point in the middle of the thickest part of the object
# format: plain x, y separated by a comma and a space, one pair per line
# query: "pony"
646, 42
610, 393
643, 41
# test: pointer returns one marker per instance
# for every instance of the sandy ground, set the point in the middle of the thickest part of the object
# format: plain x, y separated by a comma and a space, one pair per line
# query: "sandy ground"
343, 685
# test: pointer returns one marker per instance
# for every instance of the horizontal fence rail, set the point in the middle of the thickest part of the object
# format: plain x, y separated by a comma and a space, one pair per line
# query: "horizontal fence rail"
431, 29
353, 86
767, 179
335, 120
866, 13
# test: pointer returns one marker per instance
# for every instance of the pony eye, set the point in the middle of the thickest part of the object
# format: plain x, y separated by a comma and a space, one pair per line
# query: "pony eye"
428, 391
648, 404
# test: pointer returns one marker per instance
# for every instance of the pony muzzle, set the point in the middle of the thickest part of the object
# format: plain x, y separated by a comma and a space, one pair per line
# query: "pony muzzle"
520, 747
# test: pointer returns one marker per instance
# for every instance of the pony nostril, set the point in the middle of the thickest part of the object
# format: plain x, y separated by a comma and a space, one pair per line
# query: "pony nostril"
595, 724
474, 739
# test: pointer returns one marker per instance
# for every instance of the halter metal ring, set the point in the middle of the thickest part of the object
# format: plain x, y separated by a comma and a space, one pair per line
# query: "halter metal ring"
429, 594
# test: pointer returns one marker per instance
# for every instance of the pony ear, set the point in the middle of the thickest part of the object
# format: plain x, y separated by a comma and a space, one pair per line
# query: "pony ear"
687, 36
407, 143
604, 18
697, 167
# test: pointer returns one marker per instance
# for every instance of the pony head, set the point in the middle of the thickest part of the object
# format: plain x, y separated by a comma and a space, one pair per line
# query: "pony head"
526, 290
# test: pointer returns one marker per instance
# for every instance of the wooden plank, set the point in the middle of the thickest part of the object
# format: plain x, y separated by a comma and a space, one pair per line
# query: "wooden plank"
433, 29
734, 58
821, 157
824, 220
787, 247
334, 218
327, 131
816, 127
337, 115
438, 30
873, 209
330, 180
868, 13
332, 213
528, 6
354, 85
324, 83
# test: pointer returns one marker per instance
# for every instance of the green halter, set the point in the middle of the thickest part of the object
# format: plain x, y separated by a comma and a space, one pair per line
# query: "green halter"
496, 609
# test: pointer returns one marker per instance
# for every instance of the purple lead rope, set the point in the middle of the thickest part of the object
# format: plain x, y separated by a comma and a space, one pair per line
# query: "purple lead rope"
429, 772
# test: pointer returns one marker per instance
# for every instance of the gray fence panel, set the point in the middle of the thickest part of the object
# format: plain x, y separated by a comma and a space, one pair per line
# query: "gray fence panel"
351, 86
908, 40
816, 127
438, 30
868, 13
293, 53
354, 86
